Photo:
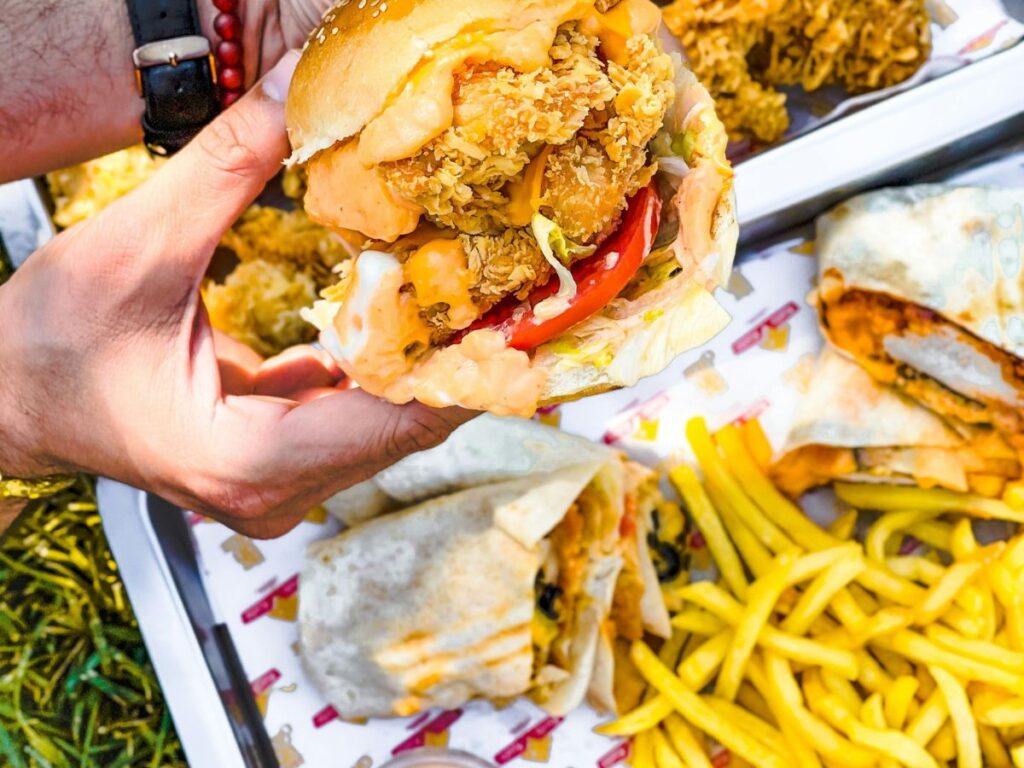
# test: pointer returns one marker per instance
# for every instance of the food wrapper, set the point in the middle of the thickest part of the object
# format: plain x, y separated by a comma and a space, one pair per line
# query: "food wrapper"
759, 366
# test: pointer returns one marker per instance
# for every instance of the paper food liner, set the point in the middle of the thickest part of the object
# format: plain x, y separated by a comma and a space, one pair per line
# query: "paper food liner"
757, 367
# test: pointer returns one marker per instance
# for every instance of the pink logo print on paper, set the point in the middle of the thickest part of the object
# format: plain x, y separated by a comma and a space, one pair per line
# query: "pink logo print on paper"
771, 333
517, 748
619, 754
281, 604
637, 421
433, 734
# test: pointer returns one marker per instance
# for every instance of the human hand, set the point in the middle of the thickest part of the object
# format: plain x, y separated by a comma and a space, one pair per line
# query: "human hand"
108, 364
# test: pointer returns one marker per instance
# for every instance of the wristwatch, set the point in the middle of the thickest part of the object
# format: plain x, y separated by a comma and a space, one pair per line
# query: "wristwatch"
174, 72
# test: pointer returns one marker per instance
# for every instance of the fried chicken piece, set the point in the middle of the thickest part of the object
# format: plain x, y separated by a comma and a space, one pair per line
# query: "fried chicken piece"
501, 265
508, 263
501, 118
588, 181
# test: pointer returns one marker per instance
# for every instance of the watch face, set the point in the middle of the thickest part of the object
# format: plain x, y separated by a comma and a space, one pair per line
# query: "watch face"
6, 266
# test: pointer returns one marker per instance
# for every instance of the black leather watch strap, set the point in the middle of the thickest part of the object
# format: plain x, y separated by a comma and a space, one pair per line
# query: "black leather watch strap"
180, 93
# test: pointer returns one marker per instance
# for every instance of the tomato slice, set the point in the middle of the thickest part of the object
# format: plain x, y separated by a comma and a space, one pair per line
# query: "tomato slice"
599, 279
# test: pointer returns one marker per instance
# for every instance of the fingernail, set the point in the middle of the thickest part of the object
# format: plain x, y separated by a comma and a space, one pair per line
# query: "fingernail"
277, 80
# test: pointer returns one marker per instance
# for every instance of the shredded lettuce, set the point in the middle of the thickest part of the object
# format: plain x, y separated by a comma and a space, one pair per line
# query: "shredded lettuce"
556, 249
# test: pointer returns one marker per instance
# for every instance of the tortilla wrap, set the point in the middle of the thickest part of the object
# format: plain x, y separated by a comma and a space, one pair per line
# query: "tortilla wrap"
394, 619
486, 450
850, 427
921, 285
417, 572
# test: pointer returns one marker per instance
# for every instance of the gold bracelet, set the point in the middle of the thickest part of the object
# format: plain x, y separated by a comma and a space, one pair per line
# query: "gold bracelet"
35, 488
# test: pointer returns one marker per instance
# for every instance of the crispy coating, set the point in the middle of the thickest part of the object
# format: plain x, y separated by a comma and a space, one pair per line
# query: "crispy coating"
588, 180
599, 116
502, 117
742, 49
503, 264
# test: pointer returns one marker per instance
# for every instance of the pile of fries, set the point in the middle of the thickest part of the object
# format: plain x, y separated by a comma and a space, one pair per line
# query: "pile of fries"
904, 646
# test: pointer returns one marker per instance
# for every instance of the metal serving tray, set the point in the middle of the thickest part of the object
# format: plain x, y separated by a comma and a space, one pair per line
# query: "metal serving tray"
938, 131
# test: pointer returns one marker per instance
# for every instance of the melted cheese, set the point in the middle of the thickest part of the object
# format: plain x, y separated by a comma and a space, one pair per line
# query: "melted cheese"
439, 273
422, 109
614, 28
525, 194
342, 192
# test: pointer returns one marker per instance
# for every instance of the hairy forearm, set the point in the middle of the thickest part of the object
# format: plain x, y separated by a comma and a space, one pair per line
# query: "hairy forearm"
67, 92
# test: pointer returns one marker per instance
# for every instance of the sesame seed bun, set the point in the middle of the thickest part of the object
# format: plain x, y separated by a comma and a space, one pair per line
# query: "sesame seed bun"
364, 52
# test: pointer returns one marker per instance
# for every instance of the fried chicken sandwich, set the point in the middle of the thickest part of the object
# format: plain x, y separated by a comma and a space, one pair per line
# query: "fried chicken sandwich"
542, 189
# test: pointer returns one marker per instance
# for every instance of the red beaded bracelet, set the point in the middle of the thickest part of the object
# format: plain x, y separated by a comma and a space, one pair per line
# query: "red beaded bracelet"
230, 71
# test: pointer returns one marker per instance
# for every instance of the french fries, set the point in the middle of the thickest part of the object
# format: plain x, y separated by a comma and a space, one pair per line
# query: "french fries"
824, 651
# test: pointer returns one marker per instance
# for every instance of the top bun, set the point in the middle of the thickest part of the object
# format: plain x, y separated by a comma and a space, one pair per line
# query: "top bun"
362, 54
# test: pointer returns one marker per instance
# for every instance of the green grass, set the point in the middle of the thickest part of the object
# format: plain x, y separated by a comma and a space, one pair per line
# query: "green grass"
76, 686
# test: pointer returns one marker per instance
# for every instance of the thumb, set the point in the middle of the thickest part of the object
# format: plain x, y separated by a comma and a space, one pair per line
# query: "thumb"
201, 191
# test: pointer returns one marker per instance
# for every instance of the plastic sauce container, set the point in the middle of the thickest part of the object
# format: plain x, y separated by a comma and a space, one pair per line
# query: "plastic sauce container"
436, 757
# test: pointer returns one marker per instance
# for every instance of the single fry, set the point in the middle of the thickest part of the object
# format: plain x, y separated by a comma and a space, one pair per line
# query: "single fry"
934, 533
757, 444
890, 523
686, 743
763, 595
643, 718
755, 555
843, 526
1007, 714
929, 719
710, 525
750, 698
664, 755
893, 497
804, 650
816, 598
943, 746
963, 544
813, 563
672, 647
872, 676
877, 578
918, 648
898, 699
965, 729
643, 750
698, 621
801, 529
717, 473
981, 650
843, 688
694, 709
993, 752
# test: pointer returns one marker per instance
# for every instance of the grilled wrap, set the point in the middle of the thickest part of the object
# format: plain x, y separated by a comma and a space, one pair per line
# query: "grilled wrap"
922, 287
518, 581
850, 427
